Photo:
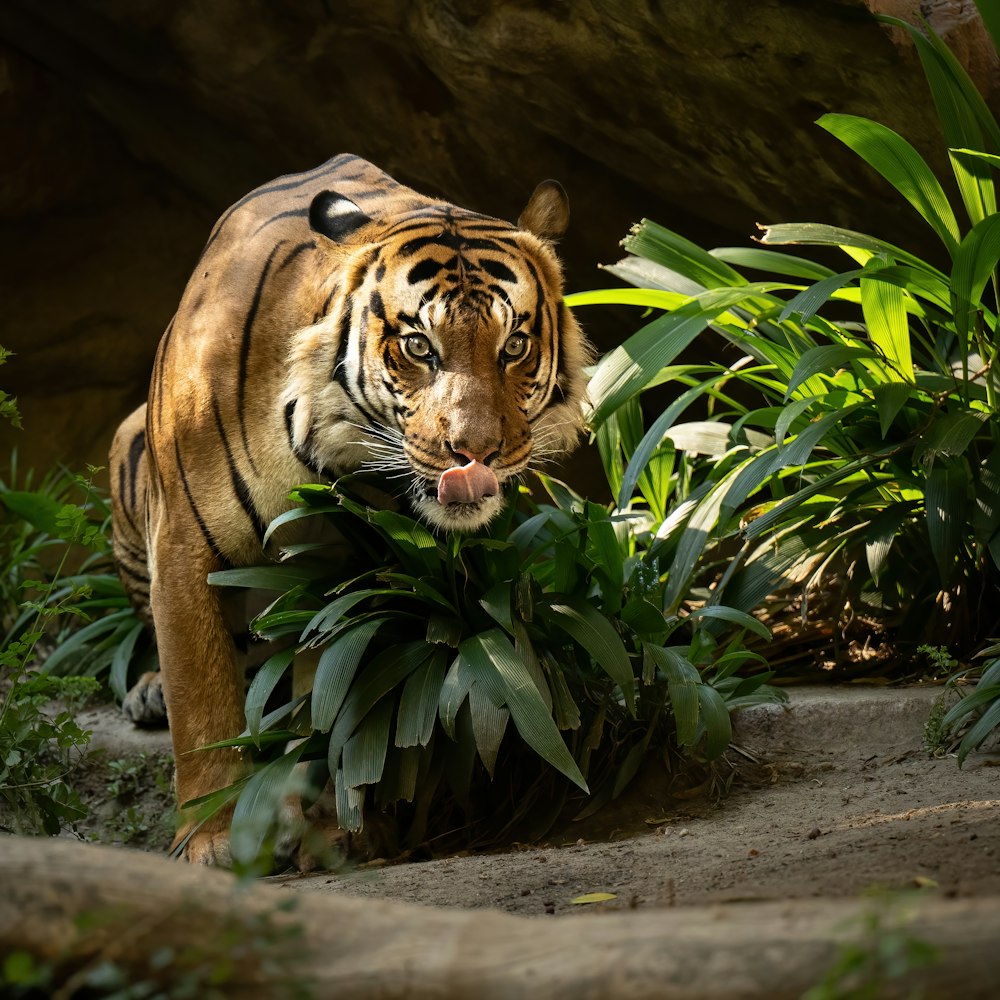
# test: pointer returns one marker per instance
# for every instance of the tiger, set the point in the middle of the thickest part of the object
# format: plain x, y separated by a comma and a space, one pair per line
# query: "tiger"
336, 321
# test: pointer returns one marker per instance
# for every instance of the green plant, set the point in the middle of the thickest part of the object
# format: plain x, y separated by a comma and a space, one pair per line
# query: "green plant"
97, 632
869, 455
882, 954
187, 953
976, 716
551, 625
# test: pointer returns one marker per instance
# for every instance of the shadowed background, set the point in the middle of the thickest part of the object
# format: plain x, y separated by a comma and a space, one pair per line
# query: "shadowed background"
128, 126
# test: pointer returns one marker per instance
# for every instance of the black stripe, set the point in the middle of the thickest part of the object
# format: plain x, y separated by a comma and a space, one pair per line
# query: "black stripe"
339, 373
454, 241
139, 578
287, 182
136, 449
161, 355
495, 269
240, 488
212, 544
424, 271
292, 254
544, 309
290, 214
245, 352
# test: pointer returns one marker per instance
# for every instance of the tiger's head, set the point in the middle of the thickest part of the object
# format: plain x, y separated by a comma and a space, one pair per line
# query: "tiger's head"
448, 361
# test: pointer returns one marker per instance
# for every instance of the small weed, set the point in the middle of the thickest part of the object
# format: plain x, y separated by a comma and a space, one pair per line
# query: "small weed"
881, 952
183, 955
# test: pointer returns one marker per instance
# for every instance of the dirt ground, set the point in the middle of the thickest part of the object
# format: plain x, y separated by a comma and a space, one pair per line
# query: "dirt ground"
837, 796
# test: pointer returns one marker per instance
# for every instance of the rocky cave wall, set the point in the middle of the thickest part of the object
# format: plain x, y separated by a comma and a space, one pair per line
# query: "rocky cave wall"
127, 127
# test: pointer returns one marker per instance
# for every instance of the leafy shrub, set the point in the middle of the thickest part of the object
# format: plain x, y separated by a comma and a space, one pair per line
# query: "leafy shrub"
870, 446
550, 625
59, 552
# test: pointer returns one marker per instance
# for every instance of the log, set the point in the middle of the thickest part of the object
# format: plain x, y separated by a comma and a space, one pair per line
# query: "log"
137, 905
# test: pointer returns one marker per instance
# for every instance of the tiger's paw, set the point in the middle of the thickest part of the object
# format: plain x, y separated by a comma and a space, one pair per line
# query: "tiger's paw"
204, 847
313, 840
144, 704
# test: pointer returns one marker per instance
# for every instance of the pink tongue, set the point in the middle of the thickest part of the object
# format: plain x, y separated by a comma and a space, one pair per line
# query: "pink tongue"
467, 484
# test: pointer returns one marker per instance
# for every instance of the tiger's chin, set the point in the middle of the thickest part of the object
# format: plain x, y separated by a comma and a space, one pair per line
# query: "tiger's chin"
461, 517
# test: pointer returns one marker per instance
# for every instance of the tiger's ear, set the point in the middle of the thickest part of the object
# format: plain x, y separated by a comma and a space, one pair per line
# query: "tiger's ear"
547, 212
335, 217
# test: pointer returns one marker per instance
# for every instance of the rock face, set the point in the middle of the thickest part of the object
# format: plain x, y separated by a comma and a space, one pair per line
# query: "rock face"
129, 127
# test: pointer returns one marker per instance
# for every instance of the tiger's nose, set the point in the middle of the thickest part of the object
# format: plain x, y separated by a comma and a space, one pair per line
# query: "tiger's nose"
483, 454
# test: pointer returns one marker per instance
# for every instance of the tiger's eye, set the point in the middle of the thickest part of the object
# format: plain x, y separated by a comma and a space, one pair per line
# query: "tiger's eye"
417, 346
516, 346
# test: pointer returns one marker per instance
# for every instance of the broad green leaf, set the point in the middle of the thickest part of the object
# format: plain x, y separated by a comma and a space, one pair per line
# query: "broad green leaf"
270, 672
490, 655
818, 234
586, 625
337, 666
654, 436
489, 723
902, 166
297, 514
444, 630
565, 710
701, 437
683, 681
496, 603
418, 704
965, 119
823, 359
718, 726
813, 298
702, 523
644, 618
949, 435
885, 317
648, 297
890, 398
675, 252
381, 674
984, 726
772, 262
350, 803
364, 752
38, 509
733, 616
945, 501
645, 273
257, 807
414, 543
629, 367
65, 658
454, 690
882, 532
780, 511
118, 677
975, 263
281, 578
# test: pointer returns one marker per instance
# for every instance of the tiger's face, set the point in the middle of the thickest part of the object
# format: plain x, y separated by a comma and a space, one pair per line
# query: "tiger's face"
457, 356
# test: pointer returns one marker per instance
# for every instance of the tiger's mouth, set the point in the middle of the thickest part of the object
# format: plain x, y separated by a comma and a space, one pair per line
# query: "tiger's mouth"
463, 498
465, 484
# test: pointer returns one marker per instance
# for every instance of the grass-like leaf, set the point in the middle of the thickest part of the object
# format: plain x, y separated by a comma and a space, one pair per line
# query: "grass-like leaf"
902, 166
490, 655
587, 626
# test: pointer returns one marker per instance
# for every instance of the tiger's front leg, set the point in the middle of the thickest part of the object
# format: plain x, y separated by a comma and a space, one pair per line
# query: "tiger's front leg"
202, 683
